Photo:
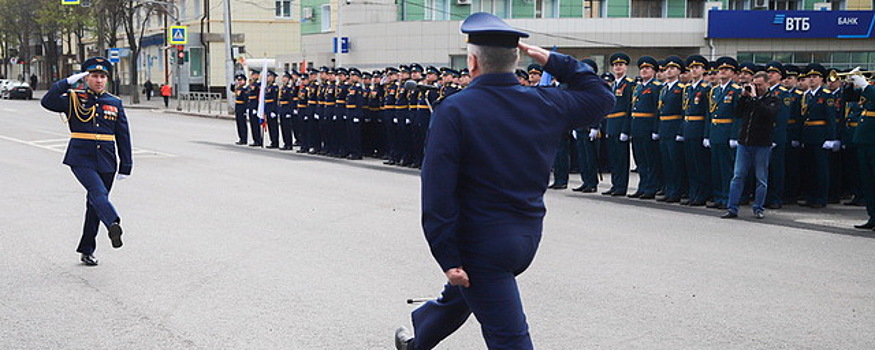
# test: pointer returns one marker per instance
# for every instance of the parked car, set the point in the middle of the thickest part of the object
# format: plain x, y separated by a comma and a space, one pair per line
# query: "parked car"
18, 90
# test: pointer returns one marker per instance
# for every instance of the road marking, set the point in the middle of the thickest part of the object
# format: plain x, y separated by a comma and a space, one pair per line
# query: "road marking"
60, 146
10, 110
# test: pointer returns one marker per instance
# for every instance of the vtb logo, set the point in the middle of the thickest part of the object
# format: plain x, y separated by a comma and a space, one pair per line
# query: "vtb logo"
792, 24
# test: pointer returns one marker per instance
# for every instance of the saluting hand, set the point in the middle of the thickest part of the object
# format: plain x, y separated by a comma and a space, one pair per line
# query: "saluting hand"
540, 55
458, 277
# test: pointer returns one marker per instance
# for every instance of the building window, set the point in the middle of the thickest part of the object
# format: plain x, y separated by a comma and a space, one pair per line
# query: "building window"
325, 18
496, 7
783, 5
839, 5
546, 9
592, 8
738, 5
695, 8
284, 8
840, 60
437, 10
196, 61
647, 8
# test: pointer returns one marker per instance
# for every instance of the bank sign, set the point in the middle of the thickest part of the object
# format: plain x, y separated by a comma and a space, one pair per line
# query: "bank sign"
791, 24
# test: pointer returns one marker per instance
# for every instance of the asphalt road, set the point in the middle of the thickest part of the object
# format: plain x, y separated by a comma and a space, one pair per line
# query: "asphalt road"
231, 247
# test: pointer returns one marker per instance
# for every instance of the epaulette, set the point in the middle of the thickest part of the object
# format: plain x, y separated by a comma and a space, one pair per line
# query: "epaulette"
827, 91
782, 88
682, 85
736, 86
630, 80
113, 96
657, 82
798, 92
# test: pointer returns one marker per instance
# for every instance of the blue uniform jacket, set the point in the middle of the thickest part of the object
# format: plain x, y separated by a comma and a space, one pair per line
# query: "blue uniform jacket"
286, 97
94, 120
722, 118
490, 150
695, 109
252, 93
355, 101
271, 93
618, 118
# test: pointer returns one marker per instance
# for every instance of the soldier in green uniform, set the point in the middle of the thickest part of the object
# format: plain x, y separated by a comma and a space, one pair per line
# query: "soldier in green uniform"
722, 132
818, 136
777, 169
794, 130
864, 139
671, 141
644, 128
697, 157
618, 124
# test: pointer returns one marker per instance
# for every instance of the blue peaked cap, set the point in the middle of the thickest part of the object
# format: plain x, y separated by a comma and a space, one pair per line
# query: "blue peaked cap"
488, 30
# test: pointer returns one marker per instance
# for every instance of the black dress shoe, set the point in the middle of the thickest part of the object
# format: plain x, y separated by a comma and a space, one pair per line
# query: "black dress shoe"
403, 339
389, 162
759, 214
635, 195
608, 193
816, 206
647, 196
578, 189
662, 199
686, 202
115, 235
558, 186
660, 193
618, 194
866, 226
240, 143
255, 145
697, 204
301, 151
729, 215
88, 259
672, 200
589, 190
273, 146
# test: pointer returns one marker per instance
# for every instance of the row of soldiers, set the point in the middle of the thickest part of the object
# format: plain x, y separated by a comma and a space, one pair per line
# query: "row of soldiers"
346, 112
680, 120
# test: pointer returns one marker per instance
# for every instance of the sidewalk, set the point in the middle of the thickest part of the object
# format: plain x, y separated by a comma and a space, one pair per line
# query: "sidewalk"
156, 104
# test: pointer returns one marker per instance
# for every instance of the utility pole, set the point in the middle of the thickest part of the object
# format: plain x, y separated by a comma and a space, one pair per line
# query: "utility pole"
229, 61
338, 50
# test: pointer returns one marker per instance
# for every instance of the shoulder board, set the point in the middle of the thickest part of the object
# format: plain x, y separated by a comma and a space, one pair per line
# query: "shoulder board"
782, 88
76, 91
798, 92
736, 86
113, 96
657, 82
827, 91
630, 80
682, 85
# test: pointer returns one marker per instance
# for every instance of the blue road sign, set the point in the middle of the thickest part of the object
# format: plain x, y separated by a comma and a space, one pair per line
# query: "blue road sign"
344, 41
178, 35
114, 55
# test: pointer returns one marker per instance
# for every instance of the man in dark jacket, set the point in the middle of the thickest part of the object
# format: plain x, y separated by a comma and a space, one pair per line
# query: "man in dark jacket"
757, 109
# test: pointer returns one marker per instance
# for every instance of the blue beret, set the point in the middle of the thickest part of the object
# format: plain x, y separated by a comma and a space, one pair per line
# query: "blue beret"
488, 30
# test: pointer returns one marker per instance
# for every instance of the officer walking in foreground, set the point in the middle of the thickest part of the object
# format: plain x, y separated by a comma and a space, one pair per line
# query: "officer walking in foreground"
487, 164
98, 133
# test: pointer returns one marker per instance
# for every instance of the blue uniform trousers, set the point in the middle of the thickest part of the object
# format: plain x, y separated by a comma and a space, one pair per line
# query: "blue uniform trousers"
255, 126
645, 151
777, 173
286, 119
587, 158
354, 138
492, 262
273, 127
673, 170
325, 132
99, 209
240, 118
618, 152
298, 129
698, 165
722, 166
816, 174
561, 164
314, 137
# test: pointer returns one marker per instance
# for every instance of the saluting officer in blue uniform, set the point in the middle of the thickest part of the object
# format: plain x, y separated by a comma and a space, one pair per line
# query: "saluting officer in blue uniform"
722, 132
100, 145
240, 108
644, 128
818, 136
696, 156
671, 141
618, 125
486, 169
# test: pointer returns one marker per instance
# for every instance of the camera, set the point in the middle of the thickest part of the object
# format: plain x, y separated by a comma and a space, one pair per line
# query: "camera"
748, 88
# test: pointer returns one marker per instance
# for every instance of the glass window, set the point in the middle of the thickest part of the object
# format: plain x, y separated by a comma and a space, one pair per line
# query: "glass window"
647, 8
841, 57
744, 56
784, 57
822, 58
196, 61
546, 9
695, 8
326, 18
592, 8
839, 5
442, 10
784, 5
283, 8
738, 5
860, 57
762, 57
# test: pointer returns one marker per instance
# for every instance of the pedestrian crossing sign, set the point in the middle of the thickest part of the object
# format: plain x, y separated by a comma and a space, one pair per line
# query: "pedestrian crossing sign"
70, 2
178, 35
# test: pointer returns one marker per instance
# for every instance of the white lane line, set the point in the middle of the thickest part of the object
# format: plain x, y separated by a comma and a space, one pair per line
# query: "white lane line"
60, 146
10, 110
28, 143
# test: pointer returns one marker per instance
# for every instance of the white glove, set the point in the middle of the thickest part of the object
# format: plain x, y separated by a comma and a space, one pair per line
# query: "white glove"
654, 136
574, 134
624, 137
774, 145
316, 116
76, 77
858, 81
395, 120
121, 177
733, 143
836, 145
355, 120
794, 144
407, 121
706, 143
827, 144
679, 138
593, 133
334, 117
295, 111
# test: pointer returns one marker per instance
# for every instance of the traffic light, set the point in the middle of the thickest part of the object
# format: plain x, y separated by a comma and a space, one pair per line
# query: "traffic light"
180, 56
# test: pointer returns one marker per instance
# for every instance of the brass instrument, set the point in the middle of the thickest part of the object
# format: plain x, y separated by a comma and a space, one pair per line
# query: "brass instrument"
835, 76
